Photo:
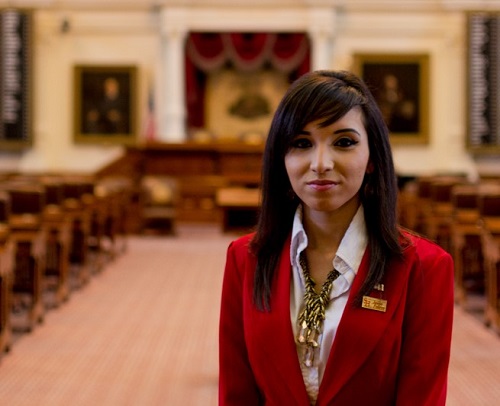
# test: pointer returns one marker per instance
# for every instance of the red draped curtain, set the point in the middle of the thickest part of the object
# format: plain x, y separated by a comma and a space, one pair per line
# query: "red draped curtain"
206, 52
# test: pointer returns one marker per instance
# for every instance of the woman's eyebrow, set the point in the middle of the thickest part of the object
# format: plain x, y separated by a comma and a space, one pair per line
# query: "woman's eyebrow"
340, 131
347, 130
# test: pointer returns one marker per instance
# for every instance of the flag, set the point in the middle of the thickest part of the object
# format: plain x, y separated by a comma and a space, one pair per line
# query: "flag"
150, 122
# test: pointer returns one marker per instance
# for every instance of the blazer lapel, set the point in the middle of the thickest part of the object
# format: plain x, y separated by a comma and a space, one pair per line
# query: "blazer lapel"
359, 331
279, 346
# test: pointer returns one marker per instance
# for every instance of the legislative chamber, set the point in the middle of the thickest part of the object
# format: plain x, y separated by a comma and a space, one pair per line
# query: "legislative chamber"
132, 136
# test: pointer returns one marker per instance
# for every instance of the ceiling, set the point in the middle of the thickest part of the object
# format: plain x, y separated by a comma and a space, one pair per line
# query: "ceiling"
360, 5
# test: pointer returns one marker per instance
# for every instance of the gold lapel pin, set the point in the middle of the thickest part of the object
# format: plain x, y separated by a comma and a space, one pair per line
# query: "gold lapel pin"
373, 303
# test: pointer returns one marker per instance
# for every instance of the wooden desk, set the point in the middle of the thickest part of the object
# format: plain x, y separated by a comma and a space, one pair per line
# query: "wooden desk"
239, 207
58, 241
466, 245
29, 237
79, 263
491, 247
200, 168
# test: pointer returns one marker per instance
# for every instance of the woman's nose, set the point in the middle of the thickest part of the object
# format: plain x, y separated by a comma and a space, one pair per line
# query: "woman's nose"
322, 159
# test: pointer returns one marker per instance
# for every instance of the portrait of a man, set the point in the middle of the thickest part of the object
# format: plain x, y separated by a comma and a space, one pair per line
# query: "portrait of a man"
395, 88
399, 84
105, 103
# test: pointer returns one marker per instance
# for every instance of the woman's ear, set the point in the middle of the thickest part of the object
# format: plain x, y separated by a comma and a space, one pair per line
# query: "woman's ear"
370, 168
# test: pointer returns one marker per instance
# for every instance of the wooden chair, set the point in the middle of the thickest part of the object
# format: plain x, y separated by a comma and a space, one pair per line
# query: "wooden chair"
114, 193
124, 196
489, 208
28, 234
74, 190
433, 205
58, 224
439, 214
97, 206
466, 242
407, 205
422, 204
160, 197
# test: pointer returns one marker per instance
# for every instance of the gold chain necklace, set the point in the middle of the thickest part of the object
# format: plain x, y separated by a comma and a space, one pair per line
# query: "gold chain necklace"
312, 316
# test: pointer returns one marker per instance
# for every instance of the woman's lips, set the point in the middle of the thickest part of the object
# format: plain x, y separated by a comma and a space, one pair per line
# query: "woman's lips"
322, 184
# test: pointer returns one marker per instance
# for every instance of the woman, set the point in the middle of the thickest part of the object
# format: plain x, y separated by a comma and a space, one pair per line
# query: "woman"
329, 302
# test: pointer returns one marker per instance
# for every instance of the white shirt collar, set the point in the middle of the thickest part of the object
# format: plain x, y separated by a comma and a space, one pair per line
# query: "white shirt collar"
353, 244
350, 251
299, 238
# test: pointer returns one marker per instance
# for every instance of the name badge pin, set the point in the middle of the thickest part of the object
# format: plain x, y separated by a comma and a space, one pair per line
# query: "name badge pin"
372, 303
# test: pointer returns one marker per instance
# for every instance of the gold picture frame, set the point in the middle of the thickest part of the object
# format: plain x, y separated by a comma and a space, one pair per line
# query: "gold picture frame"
400, 85
105, 107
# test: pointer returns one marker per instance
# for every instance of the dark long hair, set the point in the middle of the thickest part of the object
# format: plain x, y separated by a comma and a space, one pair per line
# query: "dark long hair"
325, 95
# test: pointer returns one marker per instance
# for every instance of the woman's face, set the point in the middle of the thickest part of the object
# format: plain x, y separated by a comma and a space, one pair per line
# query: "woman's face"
326, 165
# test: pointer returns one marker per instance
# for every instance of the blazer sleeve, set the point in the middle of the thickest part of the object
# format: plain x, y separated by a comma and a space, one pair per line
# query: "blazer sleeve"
237, 384
427, 329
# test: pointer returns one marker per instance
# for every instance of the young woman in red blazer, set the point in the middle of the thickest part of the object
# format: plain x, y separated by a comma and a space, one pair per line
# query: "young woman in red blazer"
329, 302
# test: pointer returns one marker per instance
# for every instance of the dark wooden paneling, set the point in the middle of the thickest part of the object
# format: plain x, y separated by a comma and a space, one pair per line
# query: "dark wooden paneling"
200, 169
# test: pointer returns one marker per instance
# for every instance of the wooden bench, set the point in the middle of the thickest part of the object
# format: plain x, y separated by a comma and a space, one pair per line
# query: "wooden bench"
240, 207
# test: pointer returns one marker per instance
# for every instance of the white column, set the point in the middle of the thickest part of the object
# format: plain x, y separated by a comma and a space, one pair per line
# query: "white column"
172, 117
321, 32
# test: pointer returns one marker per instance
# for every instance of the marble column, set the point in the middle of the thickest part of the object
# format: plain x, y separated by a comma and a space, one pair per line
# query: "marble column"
321, 30
172, 118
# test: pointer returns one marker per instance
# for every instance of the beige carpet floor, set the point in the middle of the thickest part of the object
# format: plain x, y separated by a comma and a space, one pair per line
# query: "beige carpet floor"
144, 332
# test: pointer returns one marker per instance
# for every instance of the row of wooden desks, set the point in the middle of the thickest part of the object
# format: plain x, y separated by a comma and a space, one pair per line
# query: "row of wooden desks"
464, 218
52, 240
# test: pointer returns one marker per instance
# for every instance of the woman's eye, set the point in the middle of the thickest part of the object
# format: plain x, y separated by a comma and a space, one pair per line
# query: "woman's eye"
301, 143
345, 142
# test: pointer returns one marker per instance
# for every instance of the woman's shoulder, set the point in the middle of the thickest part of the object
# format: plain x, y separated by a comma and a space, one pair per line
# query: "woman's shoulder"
240, 259
240, 247
242, 242
421, 246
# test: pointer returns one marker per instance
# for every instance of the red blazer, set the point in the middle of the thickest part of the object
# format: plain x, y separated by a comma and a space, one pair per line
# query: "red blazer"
399, 357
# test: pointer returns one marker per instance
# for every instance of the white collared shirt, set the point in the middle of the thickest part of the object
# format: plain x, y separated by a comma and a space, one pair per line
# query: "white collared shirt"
346, 262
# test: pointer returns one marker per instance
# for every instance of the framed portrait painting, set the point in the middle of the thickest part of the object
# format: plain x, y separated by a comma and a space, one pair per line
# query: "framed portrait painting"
105, 104
400, 85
